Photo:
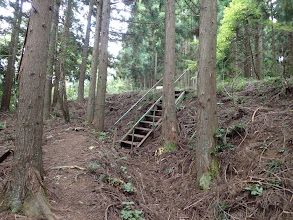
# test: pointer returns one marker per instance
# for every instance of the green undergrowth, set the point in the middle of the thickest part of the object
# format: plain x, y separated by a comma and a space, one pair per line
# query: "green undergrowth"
170, 147
129, 213
239, 84
111, 170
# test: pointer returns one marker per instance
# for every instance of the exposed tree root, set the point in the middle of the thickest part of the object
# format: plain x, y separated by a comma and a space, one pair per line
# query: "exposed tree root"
37, 205
67, 167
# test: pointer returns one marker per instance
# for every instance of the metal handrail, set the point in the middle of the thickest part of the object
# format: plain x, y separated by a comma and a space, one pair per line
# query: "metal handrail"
138, 101
181, 75
146, 94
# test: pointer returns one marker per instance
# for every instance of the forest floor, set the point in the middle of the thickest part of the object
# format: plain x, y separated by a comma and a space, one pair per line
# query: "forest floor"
89, 178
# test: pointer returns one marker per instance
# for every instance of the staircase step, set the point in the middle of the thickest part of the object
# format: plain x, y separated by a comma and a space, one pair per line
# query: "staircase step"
151, 120
151, 117
141, 130
135, 137
147, 122
129, 143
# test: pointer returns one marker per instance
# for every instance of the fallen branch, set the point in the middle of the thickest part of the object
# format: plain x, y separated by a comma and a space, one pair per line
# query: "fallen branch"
252, 119
106, 212
4, 156
68, 167
193, 204
243, 139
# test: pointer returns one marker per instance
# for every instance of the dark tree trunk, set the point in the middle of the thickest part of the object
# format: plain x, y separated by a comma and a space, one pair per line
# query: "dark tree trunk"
257, 49
206, 165
236, 55
10, 72
169, 119
94, 65
290, 55
51, 61
25, 190
103, 64
273, 43
247, 61
62, 84
85, 54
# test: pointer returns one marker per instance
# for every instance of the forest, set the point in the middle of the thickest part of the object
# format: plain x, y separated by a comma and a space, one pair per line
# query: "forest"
146, 109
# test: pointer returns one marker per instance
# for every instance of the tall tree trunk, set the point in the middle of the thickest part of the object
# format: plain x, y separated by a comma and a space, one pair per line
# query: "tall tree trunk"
261, 51
236, 50
94, 65
10, 72
57, 76
103, 64
247, 61
207, 168
290, 55
257, 51
25, 190
169, 119
156, 68
62, 87
85, 54
51, 61
273, 43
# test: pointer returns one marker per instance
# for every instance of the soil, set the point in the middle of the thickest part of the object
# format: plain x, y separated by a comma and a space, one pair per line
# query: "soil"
89, 178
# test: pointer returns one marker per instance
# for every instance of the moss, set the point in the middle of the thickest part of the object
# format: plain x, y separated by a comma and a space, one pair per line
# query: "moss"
205, 181
4, 203
215, 168
37, 205
170, 147
208, 178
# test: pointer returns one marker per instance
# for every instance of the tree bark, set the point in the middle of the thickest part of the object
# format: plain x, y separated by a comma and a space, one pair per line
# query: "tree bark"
236, 55
247, 61
156, 67
62, 87
206, 165
290, 55
103, 64
51, 61
273, 44
257, 51
94, 65
10, 72
85, 54
26, 191
169, 119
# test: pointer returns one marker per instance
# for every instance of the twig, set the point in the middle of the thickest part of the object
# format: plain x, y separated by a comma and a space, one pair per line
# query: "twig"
142, 188
225, 174
288, 212
252, 119
187, 207
227, 213
106, 212
16, 216
68, 167
243, 139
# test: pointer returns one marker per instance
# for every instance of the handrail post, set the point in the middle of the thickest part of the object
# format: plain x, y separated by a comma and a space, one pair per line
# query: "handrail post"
115, 136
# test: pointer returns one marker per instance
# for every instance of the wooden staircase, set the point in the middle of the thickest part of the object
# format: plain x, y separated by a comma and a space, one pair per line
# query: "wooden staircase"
148, 123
